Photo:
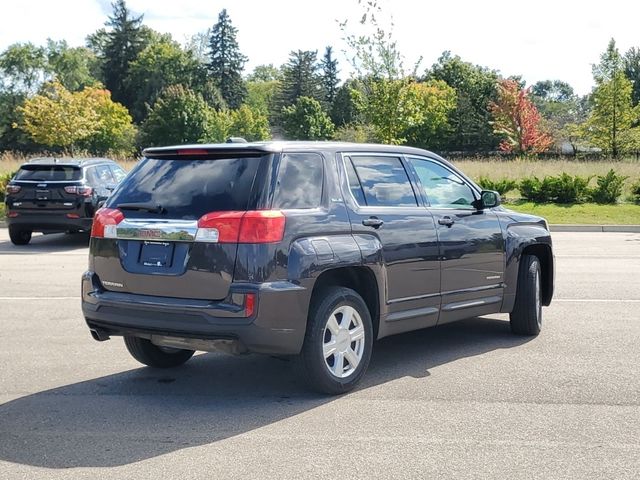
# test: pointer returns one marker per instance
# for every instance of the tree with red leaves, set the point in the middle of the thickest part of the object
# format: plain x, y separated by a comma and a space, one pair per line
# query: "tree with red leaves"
517, 121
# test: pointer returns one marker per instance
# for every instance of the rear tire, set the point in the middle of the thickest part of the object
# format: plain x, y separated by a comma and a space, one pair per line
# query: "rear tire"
149, 354
19, 236
526, 317
339, 321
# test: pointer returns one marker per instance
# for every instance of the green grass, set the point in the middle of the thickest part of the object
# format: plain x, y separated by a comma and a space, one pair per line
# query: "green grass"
583, 213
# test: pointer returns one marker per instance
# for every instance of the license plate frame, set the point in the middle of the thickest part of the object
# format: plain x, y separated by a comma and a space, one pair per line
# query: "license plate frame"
43, 194
156, 254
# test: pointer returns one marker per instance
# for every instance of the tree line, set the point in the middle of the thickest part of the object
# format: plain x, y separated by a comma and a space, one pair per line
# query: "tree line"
130, 87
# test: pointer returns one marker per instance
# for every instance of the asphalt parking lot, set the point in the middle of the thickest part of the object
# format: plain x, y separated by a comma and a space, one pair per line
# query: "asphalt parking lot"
466, 400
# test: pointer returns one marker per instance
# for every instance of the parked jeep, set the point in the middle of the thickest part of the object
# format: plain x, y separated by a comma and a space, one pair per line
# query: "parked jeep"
58, 195
309, 249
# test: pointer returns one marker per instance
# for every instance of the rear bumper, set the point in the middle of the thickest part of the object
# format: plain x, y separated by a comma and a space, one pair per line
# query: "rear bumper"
277, 325
44, 222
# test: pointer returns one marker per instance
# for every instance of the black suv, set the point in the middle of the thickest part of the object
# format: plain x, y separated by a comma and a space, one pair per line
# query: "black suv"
306, 249
51, 195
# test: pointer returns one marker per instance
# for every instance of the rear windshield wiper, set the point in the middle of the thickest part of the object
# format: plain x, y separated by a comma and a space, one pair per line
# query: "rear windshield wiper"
146, 206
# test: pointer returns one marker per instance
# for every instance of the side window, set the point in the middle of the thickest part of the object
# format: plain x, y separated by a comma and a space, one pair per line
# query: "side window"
384, 182
300, 179
443, 188
103, 174
354, 182
90, 174
117, 172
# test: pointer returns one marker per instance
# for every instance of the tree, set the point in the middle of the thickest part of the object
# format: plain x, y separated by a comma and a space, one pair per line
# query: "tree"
75, 68
23, 68
178, 116
58, 118
114, 131
121, 46
265, 73
475, 88
632, 72
306, 120
344, 109
250, 124
262, 96
612, 111
435, 101
517, 121
390, 107
330, 81
301, 78
561, 109
160, 64
227, 62
89, 118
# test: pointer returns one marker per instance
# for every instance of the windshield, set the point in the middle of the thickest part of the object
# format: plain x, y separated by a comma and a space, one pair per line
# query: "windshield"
187, 189
48, 173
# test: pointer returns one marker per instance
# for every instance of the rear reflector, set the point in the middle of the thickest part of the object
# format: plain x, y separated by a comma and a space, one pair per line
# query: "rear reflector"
257, 226
12, 214
249, 304
73, 215
13, 189
105, 222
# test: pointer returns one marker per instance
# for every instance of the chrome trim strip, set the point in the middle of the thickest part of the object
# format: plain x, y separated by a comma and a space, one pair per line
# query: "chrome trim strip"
417, 297
152, 229
408, 314
471, 303
474, 289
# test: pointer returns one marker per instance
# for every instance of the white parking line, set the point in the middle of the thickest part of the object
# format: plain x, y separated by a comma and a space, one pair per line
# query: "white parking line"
77, 297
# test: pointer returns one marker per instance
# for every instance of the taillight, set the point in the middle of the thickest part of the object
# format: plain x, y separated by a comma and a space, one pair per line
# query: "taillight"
13, 189
81, 191
105, 222
257, 226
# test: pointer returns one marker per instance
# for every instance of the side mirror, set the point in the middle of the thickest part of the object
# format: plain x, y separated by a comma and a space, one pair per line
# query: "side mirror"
489, 199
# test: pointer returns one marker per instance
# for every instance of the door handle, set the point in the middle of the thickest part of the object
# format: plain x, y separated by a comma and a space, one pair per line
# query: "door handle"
447, 221
372, 222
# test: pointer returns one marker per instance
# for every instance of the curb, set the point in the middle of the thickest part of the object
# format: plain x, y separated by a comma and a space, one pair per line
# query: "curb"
595, 228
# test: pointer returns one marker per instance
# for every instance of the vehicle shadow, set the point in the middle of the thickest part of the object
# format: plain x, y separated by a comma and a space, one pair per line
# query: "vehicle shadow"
143, 413
54, 242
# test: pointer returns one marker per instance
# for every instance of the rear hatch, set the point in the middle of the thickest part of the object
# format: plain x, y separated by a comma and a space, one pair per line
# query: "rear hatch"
47, 187
151, 237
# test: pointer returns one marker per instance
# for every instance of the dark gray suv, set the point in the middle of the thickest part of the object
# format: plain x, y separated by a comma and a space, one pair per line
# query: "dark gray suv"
313, 250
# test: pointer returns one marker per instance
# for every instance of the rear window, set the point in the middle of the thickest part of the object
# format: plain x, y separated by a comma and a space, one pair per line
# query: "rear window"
300, 179
48, 173
187, 189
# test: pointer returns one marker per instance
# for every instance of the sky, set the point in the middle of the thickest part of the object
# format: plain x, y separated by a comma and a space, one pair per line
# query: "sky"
545, 39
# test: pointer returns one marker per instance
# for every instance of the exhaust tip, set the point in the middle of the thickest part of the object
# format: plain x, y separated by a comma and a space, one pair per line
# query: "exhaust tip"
99, 335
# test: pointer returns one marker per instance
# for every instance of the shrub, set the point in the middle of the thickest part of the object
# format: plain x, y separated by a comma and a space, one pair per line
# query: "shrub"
4, 180
608, 189
501, 186
635, 191
566, 188
563, 188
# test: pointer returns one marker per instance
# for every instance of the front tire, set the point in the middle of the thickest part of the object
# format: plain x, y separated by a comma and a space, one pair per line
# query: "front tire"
19, 236
526, 316
338, 342
159, 357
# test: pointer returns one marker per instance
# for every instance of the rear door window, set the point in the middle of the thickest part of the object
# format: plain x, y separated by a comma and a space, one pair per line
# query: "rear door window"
48, 173
103, 174
384, 181
117, 172
187, 189
300, 181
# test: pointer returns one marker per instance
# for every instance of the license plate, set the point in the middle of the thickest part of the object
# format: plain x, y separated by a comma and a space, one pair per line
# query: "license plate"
42, 194
156, 254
